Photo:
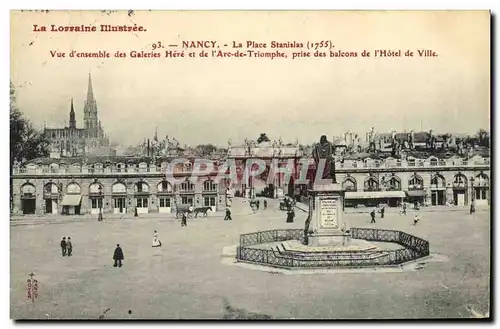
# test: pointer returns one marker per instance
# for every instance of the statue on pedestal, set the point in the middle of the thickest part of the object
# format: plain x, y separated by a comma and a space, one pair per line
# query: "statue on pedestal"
325, 150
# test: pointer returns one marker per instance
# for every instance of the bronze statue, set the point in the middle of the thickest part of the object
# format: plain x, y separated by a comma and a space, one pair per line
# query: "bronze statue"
325, 150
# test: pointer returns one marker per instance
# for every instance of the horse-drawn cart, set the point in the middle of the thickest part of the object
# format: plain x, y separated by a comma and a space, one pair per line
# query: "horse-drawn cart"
187, 209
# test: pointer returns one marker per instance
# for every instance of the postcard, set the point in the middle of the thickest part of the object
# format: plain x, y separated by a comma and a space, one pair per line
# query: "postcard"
180, 165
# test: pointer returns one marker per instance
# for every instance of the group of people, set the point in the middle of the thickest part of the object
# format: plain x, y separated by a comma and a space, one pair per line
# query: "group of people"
66, 246
118, 256
255, 204
373, 214
382, 212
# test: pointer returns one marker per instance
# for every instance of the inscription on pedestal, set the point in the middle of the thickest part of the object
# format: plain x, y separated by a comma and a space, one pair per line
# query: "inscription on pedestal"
328, 213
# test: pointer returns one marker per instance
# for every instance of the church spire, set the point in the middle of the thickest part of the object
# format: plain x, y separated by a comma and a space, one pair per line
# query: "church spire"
90, 92
72, 121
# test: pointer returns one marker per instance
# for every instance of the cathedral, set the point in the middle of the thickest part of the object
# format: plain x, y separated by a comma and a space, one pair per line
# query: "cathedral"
72, 141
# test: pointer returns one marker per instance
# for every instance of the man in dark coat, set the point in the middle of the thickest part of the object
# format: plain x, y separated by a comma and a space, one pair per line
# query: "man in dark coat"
373, 217
472, 208
228, 214
382, 211
290, 215
265, 204
69, 246
118, 256
63, 246
184, 219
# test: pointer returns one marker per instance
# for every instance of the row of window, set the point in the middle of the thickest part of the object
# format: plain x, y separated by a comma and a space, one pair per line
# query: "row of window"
394, 183
208, 201
140, 187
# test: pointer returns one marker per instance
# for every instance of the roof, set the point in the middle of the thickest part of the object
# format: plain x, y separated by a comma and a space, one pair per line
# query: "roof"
104, 159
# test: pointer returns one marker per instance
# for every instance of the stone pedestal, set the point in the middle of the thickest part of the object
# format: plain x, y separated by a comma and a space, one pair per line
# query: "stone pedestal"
325, 211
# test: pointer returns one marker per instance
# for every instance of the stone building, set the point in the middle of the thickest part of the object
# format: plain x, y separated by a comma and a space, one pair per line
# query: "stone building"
436, 180
112, 185
273, 154
71, 141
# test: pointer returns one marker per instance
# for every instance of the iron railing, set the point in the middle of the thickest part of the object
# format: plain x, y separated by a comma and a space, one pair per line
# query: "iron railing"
412, 248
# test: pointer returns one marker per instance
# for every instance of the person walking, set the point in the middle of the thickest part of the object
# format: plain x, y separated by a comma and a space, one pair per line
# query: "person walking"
118, 256
291, 216
184, 219
265, 204
472, 208
156, 241
382, 211
416, 219
404, 208
63, 246
372, 214
228, 214
69, 246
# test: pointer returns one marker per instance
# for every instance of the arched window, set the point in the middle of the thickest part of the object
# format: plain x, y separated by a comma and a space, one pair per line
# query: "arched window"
209, 186
141, 187
438, 181
415, 183
51, 188
482, 180
73, 188
349, 184
94, 188
433, 162
28, 190
411, 162
119, 188
186, 186
460, 181
164, 187
394, 184
371, 184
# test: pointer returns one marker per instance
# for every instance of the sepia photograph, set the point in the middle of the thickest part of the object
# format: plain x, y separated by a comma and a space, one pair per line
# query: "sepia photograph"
250, 165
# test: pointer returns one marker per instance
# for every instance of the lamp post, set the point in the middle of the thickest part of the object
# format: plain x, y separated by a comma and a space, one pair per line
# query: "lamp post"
473, 191
99, 219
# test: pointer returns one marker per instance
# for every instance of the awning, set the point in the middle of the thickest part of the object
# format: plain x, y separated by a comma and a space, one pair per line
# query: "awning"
71, 200
375, 195
416, 193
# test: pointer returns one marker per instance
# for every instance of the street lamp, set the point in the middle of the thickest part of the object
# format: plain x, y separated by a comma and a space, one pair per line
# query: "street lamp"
473, 190
99, 219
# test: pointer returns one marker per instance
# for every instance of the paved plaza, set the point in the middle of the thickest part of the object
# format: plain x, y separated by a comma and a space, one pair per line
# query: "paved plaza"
186, 279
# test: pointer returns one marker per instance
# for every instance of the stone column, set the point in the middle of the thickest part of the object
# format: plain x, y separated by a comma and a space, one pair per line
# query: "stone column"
326, 215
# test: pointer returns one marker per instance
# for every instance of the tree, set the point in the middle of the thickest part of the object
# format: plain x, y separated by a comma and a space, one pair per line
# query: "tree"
205, 149
25, 141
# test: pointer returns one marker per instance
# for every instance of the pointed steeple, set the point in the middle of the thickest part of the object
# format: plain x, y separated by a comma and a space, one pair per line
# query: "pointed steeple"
72, 120
90, 92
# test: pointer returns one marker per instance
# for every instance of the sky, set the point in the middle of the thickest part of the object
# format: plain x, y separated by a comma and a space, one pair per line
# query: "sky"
215, 100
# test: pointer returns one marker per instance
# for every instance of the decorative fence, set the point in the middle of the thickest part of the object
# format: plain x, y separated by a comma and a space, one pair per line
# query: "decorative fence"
249, 251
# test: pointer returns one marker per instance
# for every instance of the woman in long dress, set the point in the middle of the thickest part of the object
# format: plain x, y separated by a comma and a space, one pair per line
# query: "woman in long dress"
156, 241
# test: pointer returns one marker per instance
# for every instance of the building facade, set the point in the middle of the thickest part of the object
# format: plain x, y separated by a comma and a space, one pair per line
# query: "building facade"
431, 181
71, 141
119, 186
